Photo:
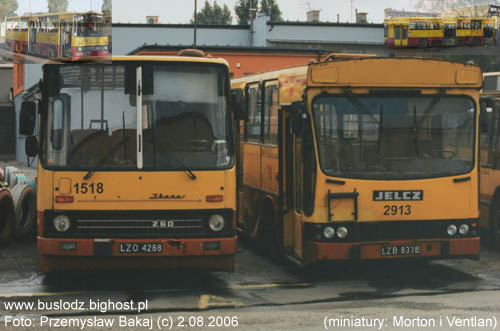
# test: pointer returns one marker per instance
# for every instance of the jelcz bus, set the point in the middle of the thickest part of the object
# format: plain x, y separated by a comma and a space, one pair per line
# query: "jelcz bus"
136, 164
362, 158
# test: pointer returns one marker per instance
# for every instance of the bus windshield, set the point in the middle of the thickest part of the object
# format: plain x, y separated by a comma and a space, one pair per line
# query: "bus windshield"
91, 123
394, 137
89, 25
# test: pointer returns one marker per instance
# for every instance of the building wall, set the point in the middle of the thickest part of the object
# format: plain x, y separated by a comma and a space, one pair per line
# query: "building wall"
248, 62
127, 37
369, 34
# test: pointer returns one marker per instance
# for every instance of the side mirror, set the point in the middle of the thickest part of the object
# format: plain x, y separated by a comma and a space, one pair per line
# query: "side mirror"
27, 118
238, 105
31, 146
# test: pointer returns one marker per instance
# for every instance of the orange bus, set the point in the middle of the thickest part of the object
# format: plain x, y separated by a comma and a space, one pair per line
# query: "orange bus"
361, 159
136, 164
57, 35
490, 157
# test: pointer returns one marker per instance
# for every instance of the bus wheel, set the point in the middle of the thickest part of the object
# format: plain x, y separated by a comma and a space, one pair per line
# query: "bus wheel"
52, 53
6, 215
25, 210
495, 222
422, 43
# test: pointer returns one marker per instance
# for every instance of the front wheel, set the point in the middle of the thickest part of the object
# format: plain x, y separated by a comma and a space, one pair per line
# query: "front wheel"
494, 225
422, 43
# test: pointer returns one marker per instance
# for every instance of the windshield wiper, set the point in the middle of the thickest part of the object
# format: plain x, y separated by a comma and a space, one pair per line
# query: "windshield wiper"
359, 106
417, 124
101, 161
172, 158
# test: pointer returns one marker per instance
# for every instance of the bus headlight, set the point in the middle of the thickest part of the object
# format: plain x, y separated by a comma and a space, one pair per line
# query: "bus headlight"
342, 232
328, 232
463, 229
216, 222
62, 223
79, 49
452, 229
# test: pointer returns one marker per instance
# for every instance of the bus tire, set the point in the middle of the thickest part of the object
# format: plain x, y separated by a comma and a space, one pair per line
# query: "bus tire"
52, 53
24, 198
494, 224
6, 215
422, 43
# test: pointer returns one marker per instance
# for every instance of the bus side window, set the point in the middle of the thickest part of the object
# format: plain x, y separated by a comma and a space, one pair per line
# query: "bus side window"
253, 125
271, 104
57, 125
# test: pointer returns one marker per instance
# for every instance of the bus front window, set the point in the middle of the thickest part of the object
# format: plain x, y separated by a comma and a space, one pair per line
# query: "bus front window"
395, 137
90, 121
89, 26
186, 120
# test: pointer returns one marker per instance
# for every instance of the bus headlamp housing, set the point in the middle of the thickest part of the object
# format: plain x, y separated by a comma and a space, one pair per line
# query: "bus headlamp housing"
463, 229
62, 223
451, 230
216, 223
342, 232
328, 232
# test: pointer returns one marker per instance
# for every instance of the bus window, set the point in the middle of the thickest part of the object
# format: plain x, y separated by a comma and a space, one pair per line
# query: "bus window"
271, 104
253, 125
57, 124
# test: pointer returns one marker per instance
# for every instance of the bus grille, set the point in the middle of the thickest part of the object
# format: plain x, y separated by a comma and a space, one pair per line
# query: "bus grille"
139, 224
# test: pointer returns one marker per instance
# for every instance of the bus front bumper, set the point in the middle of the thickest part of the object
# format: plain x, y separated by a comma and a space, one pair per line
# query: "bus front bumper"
83, 254
401, 249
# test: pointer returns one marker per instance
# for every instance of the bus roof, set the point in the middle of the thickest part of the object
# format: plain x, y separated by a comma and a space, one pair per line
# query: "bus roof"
394, 72
55, 14
147, 58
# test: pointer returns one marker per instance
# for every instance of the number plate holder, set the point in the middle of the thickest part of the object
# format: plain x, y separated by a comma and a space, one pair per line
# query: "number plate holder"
400, 250
141, 248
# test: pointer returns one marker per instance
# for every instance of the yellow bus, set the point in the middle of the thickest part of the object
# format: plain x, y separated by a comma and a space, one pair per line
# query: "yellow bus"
425, 32
342, 161
490, 157
57, 35
136, 163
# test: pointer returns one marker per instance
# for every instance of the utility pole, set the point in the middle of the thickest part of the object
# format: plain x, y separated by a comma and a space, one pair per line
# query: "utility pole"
195, 21
253, 11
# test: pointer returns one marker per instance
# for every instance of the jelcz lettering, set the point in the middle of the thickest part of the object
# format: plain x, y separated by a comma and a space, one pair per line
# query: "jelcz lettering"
410, 195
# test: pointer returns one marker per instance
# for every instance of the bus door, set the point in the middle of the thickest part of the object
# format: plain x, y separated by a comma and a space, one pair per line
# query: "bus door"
292, 169
449, 34
294, 181
400, 35
32, 37
65, 39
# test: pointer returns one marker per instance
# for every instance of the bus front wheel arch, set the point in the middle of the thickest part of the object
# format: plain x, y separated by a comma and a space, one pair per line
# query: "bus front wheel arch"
422, 43
52, 53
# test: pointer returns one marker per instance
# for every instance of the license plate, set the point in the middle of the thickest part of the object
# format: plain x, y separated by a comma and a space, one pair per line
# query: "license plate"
143, 248
400, 250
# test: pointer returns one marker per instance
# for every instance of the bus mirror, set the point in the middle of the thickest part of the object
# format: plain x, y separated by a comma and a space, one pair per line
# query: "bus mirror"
27, 118
31, 146
238, 103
